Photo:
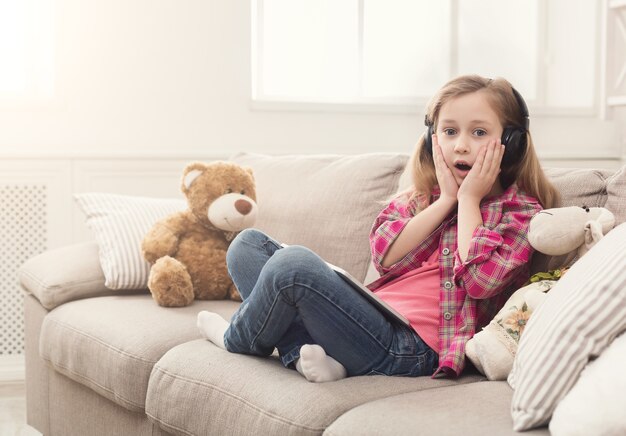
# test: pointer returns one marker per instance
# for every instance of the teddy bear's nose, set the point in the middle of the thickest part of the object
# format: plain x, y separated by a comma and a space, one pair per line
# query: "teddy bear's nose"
243, 207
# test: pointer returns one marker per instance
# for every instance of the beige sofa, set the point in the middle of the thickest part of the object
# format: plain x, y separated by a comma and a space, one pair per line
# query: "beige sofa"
112, 362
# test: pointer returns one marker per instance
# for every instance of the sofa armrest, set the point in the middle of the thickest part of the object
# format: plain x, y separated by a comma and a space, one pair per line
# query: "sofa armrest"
64, 274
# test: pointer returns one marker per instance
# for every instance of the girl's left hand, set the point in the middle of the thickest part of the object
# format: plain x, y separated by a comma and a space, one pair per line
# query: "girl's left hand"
483, 175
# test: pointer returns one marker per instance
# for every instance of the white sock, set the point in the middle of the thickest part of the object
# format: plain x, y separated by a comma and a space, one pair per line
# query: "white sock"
212, 326
316, 366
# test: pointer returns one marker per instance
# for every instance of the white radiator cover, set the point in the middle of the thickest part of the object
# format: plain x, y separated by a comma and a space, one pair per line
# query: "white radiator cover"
23, 233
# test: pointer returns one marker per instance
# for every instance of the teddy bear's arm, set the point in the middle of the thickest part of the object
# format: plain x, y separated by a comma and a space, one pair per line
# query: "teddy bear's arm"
159, 241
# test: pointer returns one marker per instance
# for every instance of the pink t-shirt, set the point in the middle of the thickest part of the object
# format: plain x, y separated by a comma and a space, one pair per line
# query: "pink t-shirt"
416, 296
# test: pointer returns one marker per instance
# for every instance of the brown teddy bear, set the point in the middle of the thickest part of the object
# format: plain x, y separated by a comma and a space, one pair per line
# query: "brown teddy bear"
187, 250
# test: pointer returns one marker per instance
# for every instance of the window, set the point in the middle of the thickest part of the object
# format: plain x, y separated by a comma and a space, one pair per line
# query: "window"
26, 50
400, 52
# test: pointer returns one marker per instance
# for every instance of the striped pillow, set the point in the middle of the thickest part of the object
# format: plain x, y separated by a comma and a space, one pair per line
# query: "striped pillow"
120, 223
582, 314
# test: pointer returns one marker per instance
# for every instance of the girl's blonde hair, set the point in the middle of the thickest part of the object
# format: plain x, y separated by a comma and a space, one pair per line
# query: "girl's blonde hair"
526, 172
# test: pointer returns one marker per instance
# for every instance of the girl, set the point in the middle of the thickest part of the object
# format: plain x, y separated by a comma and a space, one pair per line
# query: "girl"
450, 252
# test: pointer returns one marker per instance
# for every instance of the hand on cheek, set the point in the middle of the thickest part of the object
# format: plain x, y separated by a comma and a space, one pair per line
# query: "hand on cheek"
481, 178
445, 179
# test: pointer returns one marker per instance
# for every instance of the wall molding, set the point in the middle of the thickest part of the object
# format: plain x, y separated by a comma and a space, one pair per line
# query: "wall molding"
184, 156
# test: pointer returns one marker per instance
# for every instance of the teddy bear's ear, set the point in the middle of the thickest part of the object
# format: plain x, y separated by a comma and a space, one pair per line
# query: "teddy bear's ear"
249, 171
191, 173
190, 177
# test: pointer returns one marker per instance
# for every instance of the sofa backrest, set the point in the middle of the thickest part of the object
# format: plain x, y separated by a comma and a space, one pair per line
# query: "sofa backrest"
578, 187
324, 202
616, 195
329, 202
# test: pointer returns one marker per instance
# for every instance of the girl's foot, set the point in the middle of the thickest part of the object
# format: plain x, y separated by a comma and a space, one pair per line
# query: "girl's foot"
212, 326
316, 366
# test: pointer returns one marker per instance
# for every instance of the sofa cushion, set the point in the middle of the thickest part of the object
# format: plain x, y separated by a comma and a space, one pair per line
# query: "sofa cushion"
197, 388
324, 202
47, 277
472, 409
110, 344
616, 192
580, 187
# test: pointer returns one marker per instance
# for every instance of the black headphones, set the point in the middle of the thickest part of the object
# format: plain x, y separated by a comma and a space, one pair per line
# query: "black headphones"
514, 138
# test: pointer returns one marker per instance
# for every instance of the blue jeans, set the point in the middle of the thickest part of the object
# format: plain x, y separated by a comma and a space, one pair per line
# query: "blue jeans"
292, 298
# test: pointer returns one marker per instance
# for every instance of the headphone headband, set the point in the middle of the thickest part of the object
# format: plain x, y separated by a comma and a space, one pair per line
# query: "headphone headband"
513, 137
520, 103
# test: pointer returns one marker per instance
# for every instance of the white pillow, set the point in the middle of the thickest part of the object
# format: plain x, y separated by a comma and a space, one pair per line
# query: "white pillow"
595, 405
581, 315
120, 223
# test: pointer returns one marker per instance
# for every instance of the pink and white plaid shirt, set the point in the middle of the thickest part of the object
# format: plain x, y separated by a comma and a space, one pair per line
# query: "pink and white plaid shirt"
473, 291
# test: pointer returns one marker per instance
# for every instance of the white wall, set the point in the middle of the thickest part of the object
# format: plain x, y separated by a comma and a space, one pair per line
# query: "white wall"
167, 78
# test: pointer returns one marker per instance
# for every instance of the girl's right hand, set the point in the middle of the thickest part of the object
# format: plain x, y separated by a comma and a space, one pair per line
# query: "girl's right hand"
447, 184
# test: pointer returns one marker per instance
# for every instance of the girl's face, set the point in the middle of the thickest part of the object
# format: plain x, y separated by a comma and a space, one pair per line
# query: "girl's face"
466, 123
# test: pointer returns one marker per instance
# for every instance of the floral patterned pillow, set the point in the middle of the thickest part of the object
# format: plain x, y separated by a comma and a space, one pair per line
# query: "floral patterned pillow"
515, 314
493, 349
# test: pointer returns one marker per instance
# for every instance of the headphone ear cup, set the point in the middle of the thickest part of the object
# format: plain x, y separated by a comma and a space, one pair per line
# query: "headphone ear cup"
514, 140
428, 140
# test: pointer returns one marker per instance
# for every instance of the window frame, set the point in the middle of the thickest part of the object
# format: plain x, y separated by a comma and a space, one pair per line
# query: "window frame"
415, 105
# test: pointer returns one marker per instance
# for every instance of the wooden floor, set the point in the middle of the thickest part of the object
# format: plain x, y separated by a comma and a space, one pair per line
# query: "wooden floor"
13, 410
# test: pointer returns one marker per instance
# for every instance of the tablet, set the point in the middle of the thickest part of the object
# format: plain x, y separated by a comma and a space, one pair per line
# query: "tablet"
390, 313
379, 303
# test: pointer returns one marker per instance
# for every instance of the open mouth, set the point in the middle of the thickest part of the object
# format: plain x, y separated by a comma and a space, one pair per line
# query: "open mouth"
462, 166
